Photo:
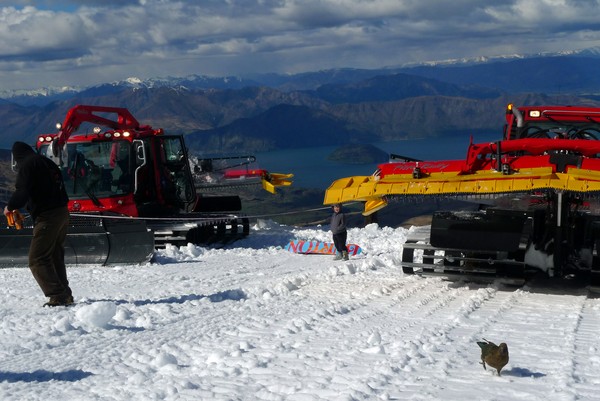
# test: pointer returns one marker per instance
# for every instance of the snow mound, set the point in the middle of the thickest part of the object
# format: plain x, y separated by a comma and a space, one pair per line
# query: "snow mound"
98, 314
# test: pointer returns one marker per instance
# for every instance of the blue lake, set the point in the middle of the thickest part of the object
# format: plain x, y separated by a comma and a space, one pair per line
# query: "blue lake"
311, 168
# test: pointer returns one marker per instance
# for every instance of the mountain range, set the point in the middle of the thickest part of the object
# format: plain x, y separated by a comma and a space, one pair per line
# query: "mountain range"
331, 107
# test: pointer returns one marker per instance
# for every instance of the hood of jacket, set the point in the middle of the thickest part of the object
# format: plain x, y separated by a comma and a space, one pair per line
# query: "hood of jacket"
21, 151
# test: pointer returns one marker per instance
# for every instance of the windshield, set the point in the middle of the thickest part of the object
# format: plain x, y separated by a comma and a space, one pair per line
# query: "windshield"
96, 170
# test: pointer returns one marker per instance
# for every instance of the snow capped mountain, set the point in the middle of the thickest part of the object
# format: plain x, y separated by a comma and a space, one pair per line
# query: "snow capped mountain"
312, 80
591, 52
192, 81
39, 92
48, 94
133, 81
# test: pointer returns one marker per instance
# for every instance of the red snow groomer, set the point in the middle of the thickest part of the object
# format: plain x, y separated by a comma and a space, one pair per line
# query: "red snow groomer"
538, 188
133, 188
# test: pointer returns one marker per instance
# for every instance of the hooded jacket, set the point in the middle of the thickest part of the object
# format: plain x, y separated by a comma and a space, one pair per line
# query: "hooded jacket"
39, 184
338, 222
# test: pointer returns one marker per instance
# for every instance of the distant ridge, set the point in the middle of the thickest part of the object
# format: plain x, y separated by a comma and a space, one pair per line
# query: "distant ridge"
300, 81
276, 111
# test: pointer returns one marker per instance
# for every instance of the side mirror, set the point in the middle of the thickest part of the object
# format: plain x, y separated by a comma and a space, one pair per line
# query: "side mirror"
140, 158
140, 153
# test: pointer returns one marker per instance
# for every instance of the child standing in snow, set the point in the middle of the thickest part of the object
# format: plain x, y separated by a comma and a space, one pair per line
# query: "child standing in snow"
338, 229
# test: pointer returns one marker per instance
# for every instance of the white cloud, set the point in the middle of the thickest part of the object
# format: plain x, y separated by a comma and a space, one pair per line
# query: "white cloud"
57, 42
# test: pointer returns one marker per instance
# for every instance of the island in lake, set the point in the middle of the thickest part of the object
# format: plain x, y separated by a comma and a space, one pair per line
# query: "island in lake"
358, 154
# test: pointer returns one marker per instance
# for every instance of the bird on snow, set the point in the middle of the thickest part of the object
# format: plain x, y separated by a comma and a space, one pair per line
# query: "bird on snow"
494, 355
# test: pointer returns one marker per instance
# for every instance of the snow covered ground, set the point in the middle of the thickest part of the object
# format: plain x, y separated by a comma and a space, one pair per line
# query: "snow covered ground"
254, 322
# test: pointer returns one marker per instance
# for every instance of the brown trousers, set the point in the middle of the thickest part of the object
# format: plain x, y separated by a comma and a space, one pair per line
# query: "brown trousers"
47, 252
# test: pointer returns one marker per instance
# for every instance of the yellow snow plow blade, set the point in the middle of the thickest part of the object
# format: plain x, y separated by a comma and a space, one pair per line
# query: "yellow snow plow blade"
372, 190
274, 180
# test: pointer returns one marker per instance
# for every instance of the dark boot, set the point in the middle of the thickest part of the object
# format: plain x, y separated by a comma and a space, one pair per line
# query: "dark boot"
345, 255
60, 301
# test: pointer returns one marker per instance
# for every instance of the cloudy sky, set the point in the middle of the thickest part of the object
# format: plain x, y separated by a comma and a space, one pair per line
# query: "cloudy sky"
86, 42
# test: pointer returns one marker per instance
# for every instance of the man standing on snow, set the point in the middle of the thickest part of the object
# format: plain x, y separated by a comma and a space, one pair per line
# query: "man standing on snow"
339, 231
40, 187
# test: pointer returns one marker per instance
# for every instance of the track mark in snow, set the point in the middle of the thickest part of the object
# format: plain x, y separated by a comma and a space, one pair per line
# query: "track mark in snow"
522, 317
372, 336
474, 320
434, 334
586, 349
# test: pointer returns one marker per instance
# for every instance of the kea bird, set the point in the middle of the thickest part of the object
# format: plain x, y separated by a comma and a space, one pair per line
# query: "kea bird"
494, 355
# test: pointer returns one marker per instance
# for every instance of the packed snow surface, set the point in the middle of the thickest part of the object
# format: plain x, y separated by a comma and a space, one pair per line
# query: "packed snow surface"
254, 322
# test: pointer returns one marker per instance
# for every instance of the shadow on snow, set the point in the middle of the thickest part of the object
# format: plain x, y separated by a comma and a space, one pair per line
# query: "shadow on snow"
44, 376
522, 372
227, 295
